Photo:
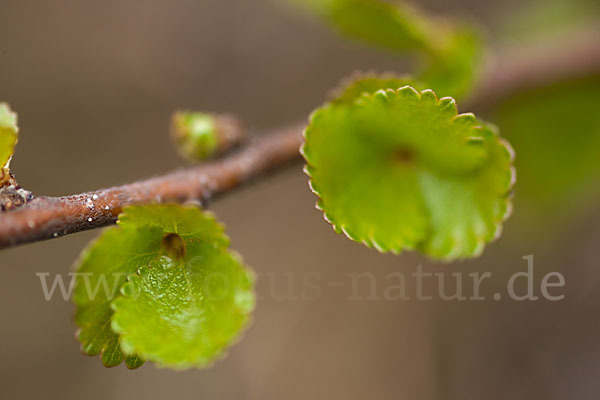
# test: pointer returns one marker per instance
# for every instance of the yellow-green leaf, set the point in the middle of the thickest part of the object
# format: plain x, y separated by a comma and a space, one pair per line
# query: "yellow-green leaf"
399, 169
132, 258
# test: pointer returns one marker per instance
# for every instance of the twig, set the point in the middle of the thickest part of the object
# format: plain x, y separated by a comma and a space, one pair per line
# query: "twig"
48, 217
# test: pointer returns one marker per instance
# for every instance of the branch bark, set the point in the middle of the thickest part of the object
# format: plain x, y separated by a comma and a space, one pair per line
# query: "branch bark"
50, 217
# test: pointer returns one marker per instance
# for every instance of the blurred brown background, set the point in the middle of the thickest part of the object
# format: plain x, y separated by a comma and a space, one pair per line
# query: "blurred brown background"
94, 84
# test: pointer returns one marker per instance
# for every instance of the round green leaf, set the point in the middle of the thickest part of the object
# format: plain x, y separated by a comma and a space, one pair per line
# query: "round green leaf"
399, 169
146, 239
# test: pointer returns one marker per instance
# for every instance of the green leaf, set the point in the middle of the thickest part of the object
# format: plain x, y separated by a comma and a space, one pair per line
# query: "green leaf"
9, 134
397, 27
147, 236
399, 169
556, 133
451, 51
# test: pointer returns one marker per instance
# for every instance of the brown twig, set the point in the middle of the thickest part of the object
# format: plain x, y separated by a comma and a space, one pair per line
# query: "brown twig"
48, 217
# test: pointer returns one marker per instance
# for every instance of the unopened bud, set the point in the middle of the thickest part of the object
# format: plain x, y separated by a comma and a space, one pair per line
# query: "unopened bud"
199, 136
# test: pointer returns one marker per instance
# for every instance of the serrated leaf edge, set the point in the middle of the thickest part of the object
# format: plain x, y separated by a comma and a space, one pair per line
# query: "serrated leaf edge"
448, 103
122, 223
83, 255
358, 75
